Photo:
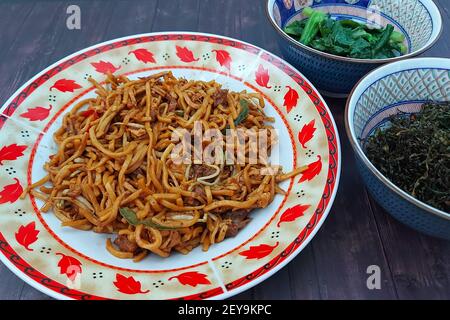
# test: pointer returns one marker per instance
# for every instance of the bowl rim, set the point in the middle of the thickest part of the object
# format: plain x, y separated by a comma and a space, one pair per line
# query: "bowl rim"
350, 103
429, 4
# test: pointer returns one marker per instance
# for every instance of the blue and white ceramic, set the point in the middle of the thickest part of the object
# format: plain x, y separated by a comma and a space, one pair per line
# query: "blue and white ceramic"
419, 20
401, 86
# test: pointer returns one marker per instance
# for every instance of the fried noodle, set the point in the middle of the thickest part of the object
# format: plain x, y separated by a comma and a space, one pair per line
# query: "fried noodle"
113, 172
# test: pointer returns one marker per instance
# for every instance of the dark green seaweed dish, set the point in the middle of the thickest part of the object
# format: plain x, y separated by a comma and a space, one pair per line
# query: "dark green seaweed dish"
346, 38
414, 153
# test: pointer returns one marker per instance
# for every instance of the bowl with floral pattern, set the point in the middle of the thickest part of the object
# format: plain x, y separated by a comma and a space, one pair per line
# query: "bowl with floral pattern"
418, 20
398, 88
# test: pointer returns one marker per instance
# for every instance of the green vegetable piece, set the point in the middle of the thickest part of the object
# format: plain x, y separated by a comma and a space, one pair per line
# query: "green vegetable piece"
241, 116
319, 45
361, 32
342, 36
308, 12
326, 27
244, 112
132, 219
403, 49
338, 50
372, 34
397, 48
312, 26
348, 23
361, 49
384, 39
295, 28
397, 37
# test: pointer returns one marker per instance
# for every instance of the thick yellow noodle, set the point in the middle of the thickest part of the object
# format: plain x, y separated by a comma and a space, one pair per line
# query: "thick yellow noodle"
114, 153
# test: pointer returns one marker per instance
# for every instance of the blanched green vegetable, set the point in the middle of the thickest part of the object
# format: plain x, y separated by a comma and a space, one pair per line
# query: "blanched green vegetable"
132, 219
384, 39
295, 28
346, 37
241, 116
397, 37
312, 25
244, 112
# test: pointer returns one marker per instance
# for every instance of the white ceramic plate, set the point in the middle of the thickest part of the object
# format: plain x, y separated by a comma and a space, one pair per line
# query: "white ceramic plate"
68, 263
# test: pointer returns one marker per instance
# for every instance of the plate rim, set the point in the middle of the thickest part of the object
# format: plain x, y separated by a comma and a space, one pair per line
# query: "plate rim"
228, 293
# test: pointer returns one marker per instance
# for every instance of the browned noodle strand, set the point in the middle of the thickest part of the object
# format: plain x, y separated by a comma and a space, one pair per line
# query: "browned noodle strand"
113, 155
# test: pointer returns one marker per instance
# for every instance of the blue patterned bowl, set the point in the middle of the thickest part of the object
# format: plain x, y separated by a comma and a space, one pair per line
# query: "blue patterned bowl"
419, 20
401, 86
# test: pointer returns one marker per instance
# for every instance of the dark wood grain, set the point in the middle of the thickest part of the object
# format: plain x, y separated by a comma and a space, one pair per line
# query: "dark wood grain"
420, 264
41, 41
176, 15
220, 17
349, 242
24, 62
28, 53
129, 19
12, 17
442, 48
357, 233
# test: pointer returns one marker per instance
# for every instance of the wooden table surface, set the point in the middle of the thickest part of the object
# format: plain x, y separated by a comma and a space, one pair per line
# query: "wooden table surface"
356, 234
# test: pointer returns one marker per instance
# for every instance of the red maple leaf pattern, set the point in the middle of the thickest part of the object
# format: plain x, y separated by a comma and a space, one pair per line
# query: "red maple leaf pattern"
143, 55
11, 193
37, 113
224, 58
128, 285
192, 278
65, 85
258, 252
69, 266
105, 67
185, 54
290, 99
312, 171
262, 77
11, 152
27, 235
307, 133
293, 213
